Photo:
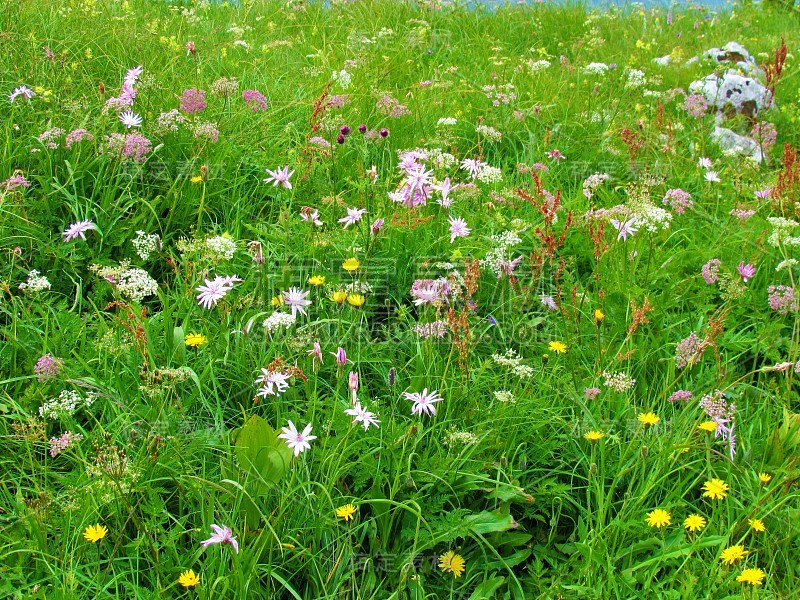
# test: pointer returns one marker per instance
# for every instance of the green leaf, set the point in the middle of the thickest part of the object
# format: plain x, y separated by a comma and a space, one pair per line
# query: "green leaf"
260, 451
487, 589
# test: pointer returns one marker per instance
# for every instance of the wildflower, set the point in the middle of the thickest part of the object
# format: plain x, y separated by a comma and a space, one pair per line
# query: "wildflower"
556, 155
22, 90
188, 579
746, 271
683, 395
658, 518
296, 299
78, 230
694, 522
557, 347
193, 101
351, 264
764, 477
716, 489
591, 393
95, 533
353, 216
221, 535
256, 251
376, 226
214, 290
704, 163
450, 562
299, 442
356, 300
712, 176
341, 356
277, 301
272, 383
280, 176
757, 525
752, 576
195, 339
732, 554
648, 418
625, 228
61, 443
599, 315
458, 228
711, 270
444, 189
38, 283
365, 417
191, 48
346, 512
130, 119
338, 296
423, 402
255, 100
47, 367
594, 436
316, 280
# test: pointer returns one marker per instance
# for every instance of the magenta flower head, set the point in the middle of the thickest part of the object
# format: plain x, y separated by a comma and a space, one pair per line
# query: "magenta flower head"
193, 101
746, 271
345, 130
384, 133
78, 230
221, 535
376, 226
362, 128
340, 139
341, 356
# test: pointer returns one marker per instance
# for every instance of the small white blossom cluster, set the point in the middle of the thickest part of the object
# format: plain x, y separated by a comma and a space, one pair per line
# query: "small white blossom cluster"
221, 247
146, 244
504, 396
446, 122
169, 122
358, 287
786, 264
513, 361
490, 133
596, 68
343, 78
591, 183
490, 175
36, 283
499, 251
66, 404
782, 230
536, 66
460, 438
650, 216
636, 78
136, 284
277, 320
619, 381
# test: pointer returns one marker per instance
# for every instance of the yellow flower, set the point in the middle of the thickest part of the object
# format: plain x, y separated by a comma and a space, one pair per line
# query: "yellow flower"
599, 315
694, 522
594, 436
356, 300
351, 264
94, 533
346, 512
557, 347
188, 579
316, 280
338, 296
196, 179
453, 563
708, 426
752, 576
650, 418
277, 301
716, 489
764, 477
757, 525
195, 339
658, 518
732, 554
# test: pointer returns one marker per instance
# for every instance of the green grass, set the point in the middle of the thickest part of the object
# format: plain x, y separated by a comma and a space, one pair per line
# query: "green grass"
176, 439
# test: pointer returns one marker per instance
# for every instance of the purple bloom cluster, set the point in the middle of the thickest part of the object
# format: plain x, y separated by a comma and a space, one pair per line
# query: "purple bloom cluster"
678, 200
255, 100
711, 270
193, 101
47, 367
132, 146
682, 395
782, 298
686, 350
77, 136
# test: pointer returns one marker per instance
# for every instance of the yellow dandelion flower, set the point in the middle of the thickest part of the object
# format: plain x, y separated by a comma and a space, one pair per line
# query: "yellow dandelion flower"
346, 512
716, 489
277, 301
694, 522
196, 179
599, 315
757, 525
452, 563
732, 554
650, 418
708, 426
658, 518
752, 576
188, 579
316, 280
195, 339
351, 264
338, 296
94, 533
557, 347
594, 436
356, 300
764, 477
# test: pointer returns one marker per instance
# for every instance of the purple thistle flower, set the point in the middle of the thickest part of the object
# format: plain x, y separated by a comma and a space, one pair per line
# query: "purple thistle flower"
747, 271
424, 402
280, 176
77, 230
221, 535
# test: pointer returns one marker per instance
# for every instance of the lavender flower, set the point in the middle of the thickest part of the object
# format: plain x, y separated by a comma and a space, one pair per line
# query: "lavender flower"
255, 100
686, 351
193, 101
64, 441
221, 535
47, 367
711, 270
77, 230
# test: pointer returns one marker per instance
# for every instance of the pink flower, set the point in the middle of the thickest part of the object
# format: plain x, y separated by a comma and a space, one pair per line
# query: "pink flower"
299, 442
341, 356
445, 188
272, 383
556, 154
193, 101
423, 401
280, 176
376, 226
296, 299
353, 216
362, 416
458, 228
746, 271
77, 230
221, 535
215, 290
352, 383
22, 90
625, 228
316, 352
473, 166
310, 215
711, 270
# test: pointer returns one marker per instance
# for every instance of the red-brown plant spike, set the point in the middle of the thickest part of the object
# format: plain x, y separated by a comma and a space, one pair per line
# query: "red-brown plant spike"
633, 140
789, 176
459, 326
320, 107
639, 315
774, 71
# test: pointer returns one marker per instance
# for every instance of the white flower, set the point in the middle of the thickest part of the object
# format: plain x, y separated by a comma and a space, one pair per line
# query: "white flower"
215, 290
130, 119
423, 402
299, 442
272, 383
296, 299
362, 416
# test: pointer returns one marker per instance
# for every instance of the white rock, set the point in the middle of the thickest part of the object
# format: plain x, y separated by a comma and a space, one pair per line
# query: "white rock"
735, 53
663, 61
732, 143
745, 94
